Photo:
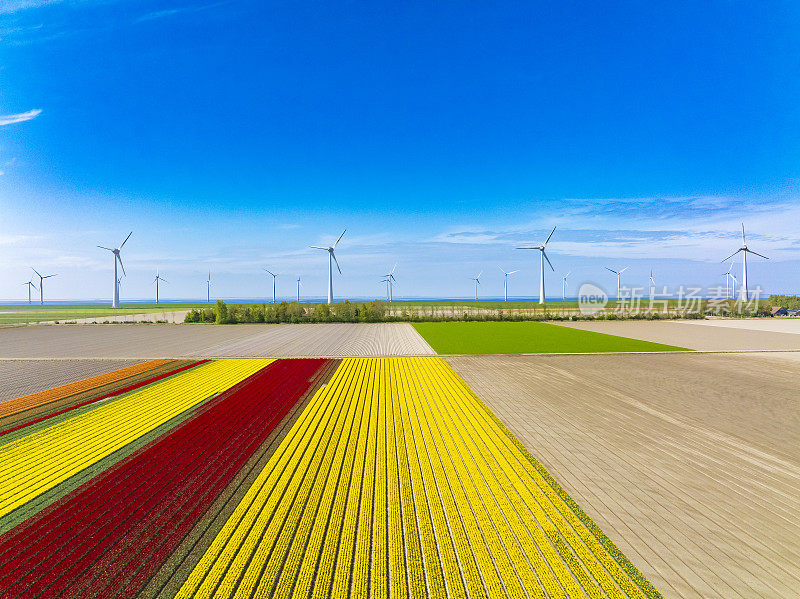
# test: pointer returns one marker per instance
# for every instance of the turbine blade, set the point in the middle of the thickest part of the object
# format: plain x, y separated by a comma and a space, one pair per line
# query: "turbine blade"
757, 254
732, 255
393, 268
624, 269
502, 271
612, 270
318, 247
335, 260
48, 276
479, 275
126, 240
528, 248
36, 271
340, 238
548, 260
568, 274
743, 241
105, 248
548, 237
121, 264
512, 272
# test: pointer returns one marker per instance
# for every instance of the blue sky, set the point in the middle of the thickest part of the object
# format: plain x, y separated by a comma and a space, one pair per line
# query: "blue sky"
231, 135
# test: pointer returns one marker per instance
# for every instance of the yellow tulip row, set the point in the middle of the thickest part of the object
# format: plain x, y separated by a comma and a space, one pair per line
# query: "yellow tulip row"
397, 482
38, 462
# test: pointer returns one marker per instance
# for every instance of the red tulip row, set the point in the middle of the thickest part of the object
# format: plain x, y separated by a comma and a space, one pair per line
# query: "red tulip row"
111, 535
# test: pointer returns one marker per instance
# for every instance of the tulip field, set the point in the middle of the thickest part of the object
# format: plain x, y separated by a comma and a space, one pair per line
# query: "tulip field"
361, 477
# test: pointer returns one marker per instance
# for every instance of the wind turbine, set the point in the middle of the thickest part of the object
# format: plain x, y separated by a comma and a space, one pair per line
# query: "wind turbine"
477, 282
744, 249
619, 277
727, 276
208, 288
274, 278
564, 287
331, 260
156, 280
30, 284
733, 285
542, 258
298, 289
505, 281
41, 284
652, 286
390, 281
117, 258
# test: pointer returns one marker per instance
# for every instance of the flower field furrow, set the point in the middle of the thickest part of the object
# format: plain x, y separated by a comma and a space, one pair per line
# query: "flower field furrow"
258, 507
397, 482
118, 540
391, 480
26, 402
38, 462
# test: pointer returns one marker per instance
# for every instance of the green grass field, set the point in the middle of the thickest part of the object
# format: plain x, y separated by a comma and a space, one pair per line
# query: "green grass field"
526, 338
15, 314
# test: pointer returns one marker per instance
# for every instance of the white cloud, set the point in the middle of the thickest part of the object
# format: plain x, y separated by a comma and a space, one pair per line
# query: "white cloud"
10, 119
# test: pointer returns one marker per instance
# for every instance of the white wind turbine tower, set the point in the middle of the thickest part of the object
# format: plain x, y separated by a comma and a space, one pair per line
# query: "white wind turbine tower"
117, 258
505, 281
41, 284
727, 276
331, 260
208, 288
564, 287
387, 281
652, 286
733, 285
744, 249
156, 280
298, 289
274, 278
30, 284
477, 282
390, 282
542, 258
619, 278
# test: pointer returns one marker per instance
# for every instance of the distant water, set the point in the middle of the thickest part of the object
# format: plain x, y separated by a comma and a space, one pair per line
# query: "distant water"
260, 300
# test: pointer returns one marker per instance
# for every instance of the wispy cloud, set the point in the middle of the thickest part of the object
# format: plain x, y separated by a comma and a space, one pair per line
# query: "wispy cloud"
169, 12
10, 119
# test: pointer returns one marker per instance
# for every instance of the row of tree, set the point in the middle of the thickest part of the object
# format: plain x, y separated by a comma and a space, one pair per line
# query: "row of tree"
790, 302
286, 312
376, 311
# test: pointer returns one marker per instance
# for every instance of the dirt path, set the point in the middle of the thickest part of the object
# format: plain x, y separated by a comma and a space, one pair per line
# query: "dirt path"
690, 463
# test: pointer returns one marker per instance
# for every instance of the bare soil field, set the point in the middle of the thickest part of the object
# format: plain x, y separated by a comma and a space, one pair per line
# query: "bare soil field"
773, 325
178, 341
690, 463
346, 340
692, 334
23, 377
